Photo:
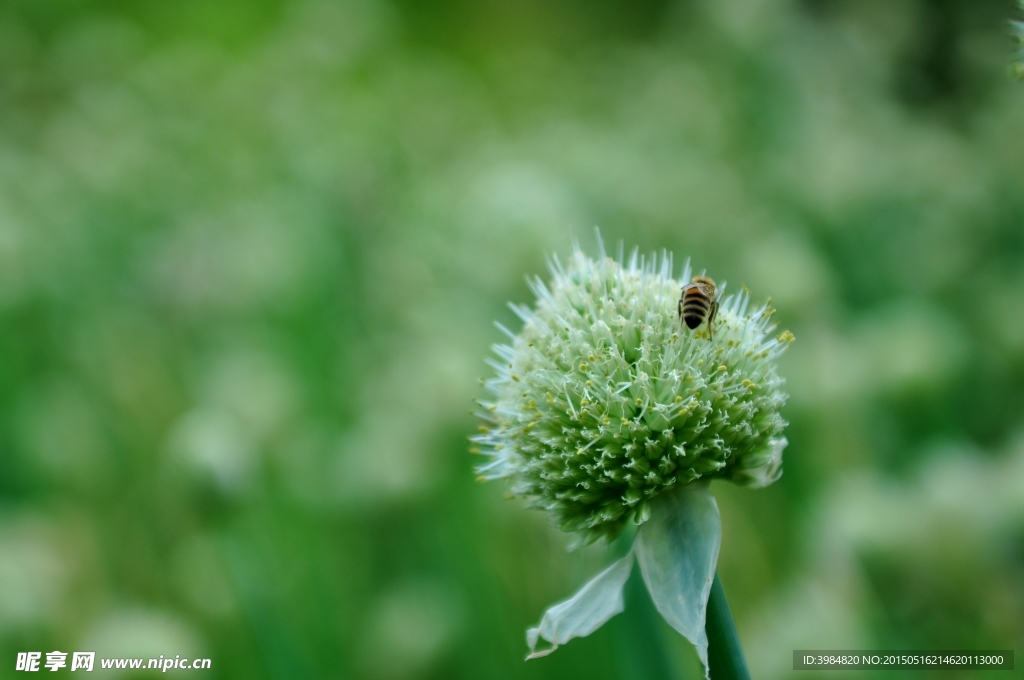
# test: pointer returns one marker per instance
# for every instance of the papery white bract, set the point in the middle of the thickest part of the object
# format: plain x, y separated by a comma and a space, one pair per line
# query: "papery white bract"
677, 550
583, 613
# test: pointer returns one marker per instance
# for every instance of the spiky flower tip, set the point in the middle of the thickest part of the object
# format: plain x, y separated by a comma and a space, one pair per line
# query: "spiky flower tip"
604, 400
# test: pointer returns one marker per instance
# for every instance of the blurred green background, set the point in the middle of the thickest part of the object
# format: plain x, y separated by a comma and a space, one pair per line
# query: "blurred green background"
250, 256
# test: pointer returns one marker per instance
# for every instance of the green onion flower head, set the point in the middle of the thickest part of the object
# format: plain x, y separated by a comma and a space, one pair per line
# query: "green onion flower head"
605, 400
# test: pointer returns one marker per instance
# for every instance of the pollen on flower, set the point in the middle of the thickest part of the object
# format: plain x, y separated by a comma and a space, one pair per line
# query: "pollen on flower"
591, 395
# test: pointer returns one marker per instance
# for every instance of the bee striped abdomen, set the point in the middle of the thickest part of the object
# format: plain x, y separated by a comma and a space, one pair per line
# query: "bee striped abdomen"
698, 302
696, 306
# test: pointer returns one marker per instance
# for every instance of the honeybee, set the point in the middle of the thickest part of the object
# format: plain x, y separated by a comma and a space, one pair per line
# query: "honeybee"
699, 301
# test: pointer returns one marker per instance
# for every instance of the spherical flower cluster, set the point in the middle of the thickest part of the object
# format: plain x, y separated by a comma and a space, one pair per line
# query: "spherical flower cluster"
605, 400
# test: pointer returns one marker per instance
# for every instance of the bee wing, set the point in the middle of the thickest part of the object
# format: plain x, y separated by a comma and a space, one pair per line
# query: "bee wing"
706, 290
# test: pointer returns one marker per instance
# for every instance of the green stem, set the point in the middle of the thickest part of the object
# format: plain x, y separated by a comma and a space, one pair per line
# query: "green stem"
647, 641
641, 644
725, 657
